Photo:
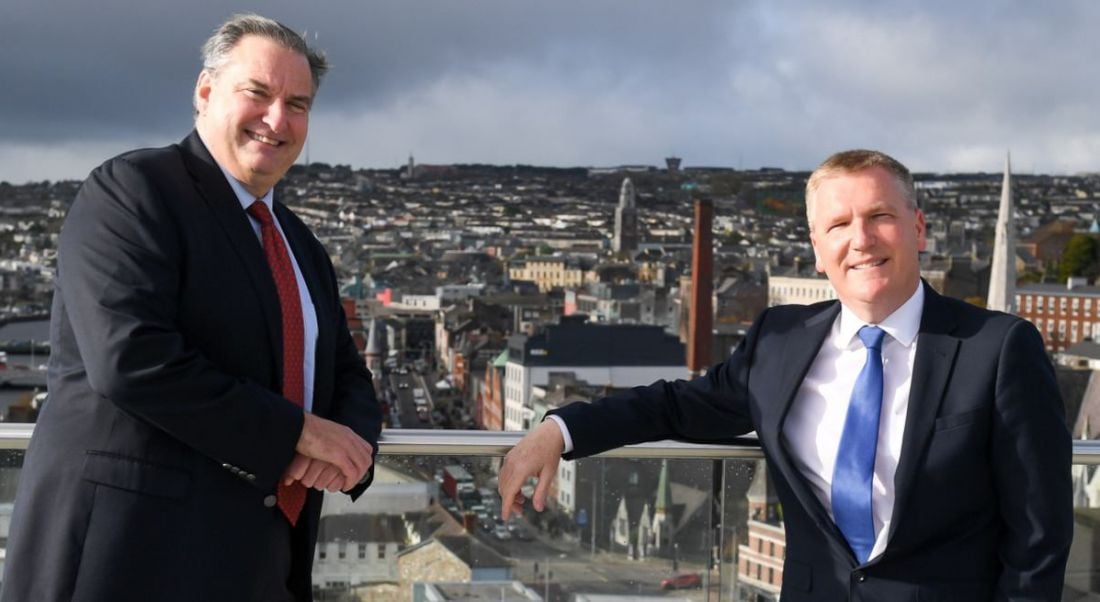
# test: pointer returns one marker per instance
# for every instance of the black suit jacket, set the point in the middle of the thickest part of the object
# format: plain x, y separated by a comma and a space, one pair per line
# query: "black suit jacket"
983, 506
164, 433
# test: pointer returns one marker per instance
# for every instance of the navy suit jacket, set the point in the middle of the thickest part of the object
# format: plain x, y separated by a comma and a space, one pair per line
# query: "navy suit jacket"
164, 432
983, 507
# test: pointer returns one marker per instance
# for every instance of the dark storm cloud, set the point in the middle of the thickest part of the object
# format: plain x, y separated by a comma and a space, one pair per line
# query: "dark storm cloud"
944, 85
103, 68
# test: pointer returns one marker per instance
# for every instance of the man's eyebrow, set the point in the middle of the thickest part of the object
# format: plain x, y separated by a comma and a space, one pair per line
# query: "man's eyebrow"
308, 100
305, 98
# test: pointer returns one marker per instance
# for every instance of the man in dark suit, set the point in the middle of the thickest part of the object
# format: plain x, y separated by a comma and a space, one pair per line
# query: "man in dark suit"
917, 443
204, 388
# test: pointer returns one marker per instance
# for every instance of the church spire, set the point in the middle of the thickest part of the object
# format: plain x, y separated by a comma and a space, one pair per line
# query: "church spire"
1002, 273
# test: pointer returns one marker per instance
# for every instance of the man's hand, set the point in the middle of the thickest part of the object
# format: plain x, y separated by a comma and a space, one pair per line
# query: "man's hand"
332, 444
317, 474
537, 454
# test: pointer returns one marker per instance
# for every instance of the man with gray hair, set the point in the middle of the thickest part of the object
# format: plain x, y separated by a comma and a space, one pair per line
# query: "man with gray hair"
204, 388
917, 443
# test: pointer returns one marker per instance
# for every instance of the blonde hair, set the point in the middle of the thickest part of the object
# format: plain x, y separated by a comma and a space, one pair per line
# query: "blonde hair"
852, 161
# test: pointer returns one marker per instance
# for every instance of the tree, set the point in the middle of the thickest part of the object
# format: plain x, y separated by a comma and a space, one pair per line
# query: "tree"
1029, 277
1081, 258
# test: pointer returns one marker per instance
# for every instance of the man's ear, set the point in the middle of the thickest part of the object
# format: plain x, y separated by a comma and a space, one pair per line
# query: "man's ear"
922, 231
820, 267
202, 90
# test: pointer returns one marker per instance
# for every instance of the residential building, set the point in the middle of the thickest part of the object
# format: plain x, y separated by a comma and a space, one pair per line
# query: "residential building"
1065, 314
550, 272
760, 560
614, 355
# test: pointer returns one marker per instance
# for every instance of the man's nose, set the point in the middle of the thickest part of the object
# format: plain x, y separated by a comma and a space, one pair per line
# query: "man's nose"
276, 116
863, 235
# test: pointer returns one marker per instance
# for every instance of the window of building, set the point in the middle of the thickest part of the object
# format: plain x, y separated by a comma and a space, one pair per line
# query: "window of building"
1061, 329
381, 551
1076, 305
1073, 333
342, 550
1088, 305
1062, 302
1027, 304
1038, 303
363, 551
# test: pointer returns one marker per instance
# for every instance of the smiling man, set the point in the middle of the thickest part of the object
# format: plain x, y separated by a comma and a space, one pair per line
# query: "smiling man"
917, 443
204, 388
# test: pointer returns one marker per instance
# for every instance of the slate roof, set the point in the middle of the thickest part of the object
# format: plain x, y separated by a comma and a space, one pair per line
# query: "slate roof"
575, 343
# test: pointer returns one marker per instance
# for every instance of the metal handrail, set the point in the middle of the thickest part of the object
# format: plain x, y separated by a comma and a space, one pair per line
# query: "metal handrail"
432, 442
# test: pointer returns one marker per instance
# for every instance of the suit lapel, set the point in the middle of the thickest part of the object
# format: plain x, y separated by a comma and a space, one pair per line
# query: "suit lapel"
800, 349
215, 190
936, 351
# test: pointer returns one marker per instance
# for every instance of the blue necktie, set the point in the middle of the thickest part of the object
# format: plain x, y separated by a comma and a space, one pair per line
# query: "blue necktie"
855, 459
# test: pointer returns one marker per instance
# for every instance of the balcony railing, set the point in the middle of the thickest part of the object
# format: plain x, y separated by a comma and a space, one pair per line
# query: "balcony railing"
433, 442
603, 533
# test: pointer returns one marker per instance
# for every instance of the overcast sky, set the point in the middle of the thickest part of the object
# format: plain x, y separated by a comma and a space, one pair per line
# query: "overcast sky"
943, 86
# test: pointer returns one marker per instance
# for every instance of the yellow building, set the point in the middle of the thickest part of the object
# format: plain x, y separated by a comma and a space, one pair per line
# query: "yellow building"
548, 273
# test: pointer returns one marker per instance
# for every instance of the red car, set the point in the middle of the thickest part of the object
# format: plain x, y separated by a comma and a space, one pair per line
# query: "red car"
683, 581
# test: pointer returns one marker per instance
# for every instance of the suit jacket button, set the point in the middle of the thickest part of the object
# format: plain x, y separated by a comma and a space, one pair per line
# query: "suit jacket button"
269, 501
860, 576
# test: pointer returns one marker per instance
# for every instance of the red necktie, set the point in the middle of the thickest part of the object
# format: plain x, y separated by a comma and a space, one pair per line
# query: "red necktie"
291, 497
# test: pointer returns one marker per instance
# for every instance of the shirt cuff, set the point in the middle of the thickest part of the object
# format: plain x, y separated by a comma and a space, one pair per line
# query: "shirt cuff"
564, 434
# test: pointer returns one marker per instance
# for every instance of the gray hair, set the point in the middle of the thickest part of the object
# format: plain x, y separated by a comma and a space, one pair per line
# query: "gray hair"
852, 161
215, 52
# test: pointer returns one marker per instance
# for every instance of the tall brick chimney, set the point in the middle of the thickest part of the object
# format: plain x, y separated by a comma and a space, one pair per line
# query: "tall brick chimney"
701, 318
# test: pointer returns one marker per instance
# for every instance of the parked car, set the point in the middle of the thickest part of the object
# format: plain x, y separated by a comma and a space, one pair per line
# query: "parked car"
501, 532
683, 581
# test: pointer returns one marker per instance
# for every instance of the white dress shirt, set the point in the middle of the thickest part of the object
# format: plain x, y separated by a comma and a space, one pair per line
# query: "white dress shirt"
815, 420
816, 417
309, 314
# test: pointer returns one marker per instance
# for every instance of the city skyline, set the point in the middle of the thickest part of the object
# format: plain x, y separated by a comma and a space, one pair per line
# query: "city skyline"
745, 85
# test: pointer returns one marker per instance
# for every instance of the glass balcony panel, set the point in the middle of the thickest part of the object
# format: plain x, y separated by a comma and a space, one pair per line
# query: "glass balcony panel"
613, 526
698, 528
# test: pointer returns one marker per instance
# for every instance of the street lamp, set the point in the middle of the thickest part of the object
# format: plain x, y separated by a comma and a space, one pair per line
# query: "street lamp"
548, 575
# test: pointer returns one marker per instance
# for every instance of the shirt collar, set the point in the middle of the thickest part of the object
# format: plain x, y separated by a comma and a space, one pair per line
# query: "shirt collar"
245, 197
902, 325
